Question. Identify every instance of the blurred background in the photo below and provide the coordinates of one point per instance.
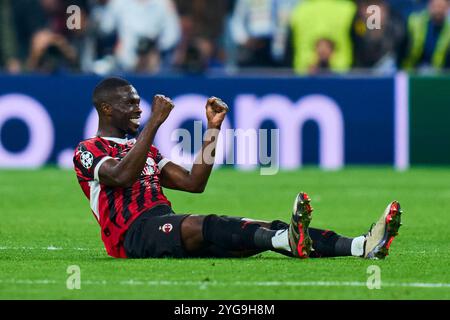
(341, 89)
(224, 36)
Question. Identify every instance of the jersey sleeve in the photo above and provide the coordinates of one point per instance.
(88, 158)
(159, 159)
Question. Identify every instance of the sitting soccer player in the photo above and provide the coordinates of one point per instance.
(123, 181)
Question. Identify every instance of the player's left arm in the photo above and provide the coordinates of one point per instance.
(176, 177)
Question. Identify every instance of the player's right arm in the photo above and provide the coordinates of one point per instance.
(125, 172)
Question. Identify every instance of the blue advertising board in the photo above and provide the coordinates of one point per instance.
(327, 121)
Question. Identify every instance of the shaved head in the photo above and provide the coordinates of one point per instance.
(117, 103)
(106, 90)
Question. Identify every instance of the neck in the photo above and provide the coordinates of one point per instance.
(108, 131)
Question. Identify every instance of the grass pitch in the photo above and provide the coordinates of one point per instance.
(46, 226)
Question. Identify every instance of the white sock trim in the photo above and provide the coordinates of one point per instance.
(281, 240)
(358, 246)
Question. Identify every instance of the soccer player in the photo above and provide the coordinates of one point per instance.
(124, 179)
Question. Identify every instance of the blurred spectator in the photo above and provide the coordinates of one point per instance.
(148, 36)
(203, 18)
(28, 18)
(51, 52)
(45, 40)
(259, 28)
(137, 22)
(324, 53)
(8, 43)
(429, 34)
(99, 47)
(82, 39)
(202, 25)
(149, 59)
(380, 49)
(196, 56)
(51, 48)
(316, 19)
(55, 15)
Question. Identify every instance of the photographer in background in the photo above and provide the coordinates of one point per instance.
(46, 43)
(149, 58)
(51, 52)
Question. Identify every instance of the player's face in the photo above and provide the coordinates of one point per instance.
(126, 113)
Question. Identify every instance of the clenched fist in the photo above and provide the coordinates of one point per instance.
(161, 108)
(216, 110)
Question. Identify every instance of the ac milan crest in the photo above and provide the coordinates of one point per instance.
(166, 228)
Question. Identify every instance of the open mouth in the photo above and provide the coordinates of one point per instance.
(136, 121)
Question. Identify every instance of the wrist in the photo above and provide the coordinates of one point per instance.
(154, 122)
(214, 126)
(151, 126)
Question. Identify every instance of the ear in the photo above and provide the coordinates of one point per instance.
(106, 109)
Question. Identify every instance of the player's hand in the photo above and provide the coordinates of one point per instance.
(161, 108)
(216, 110)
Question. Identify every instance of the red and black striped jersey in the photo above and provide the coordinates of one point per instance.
(115, 208)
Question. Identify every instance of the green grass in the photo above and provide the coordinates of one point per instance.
(45, 208)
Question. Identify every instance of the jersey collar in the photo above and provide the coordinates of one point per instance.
(118, 140)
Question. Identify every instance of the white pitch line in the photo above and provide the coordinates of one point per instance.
(49, 248)
(204, 284)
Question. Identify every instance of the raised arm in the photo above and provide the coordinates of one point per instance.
(125, 172)
(176, 177)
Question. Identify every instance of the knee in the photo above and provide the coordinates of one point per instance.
(192, 226)
(192, 233)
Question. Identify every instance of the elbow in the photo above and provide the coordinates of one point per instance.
(197, 189)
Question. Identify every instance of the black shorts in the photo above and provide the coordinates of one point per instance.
(155, 234)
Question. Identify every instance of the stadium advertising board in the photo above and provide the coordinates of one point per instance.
(430, 113)
(326, 121)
